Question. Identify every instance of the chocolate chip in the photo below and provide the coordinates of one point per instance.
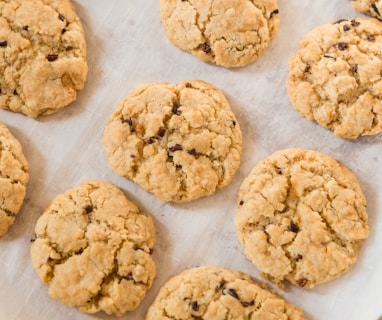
(63, 31)
(61, 17)
(151, 140)
(151, 251)
(355, 23)
(15, 92)
(128, 121)
(374, 7)
(346, 27)
(188, 85)
(248, 304)
(293, 227)
(370, 37)
(26, 28)
(274, 12)
(233, 293)
(52, 57)
(279, 170)
(175, 108)
(302, 282)
(192, 152)
(195, 306)
(241, 202)
(176, 147)
(3, 44)
(307, 68)
(354, 68)
(283, 210)
(205, 47)
(298, 257)
(342, 46)
(88, 208)
(234, 123)
(34, 238)
(161, 132)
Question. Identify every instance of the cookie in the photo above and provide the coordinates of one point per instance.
(212, 292)
(301, 217)
(229, 33)
(93, 247)
(177, 141)
(14, 177)
(42, 56)
(335, 77)
(370, 7)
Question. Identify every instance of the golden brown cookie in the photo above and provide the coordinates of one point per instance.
(301, 217)
(335, 77)
(210, 292)
(230, 33)
(14, 176)
(179, 142)
(370, 7)
(42, 56)
(93, 247)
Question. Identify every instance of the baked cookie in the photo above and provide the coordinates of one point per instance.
(42, 56)
(93, 247)
(335, 77)
(301, 217)
(14, 176)
(212, 292)
(179, 142)
(230, 33)
(370, 7)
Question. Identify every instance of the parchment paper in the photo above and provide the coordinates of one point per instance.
(127, 46)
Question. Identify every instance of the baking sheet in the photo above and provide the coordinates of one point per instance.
(127, 46)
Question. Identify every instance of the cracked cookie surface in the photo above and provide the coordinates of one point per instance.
(301, 217)
(42, 56)
(14, 176)
(335, 77)
(93, 247)
(179, 142)
(212, 292)
(370, 7)
(230, 33)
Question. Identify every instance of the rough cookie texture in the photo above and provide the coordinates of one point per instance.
(93, 247)
(230, 33)
(179, 142)
(370, 7)
(42, 56)
(301, 217)
(212, 292)
(335, 77)
(14, 176)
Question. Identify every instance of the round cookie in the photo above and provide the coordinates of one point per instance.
(14, 176)
(301, 217)
(230, 33)
(370, 7)
(179, 142)
(93, 247)
(335, 77)
(212, 292)
(42, 56)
